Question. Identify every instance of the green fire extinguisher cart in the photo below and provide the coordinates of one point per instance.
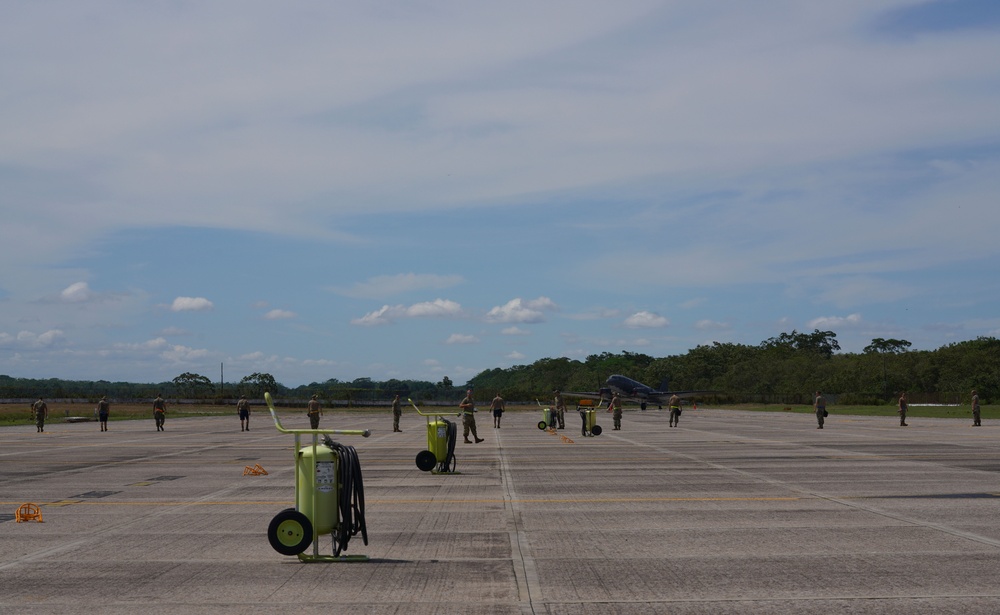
(329, 495)
(439, 457)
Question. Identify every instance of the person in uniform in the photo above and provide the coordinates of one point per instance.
(159, 412)
(902, 409)
(497, 406)
(469, 418)
(314, 411)
(41, 411)
(560, 408)
(243, 409)
(103, 409)
(675, 410)
(397, 411)
(975, 409)
(615, 406)
(819, 406)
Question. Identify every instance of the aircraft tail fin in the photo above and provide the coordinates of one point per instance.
(665, 384)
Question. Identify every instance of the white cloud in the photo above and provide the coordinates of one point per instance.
(30, 339)
(646, 320)
(76, 293)
(515, 356)
(191, 304)
(826, 322)
(184, 354)
(388, 285)
(458, 338)
(279, 315)
(519, 310)
(153, 344)
(515, 330)
(439, 308)
(711, 325)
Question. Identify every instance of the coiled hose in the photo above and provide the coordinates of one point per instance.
(448, 465)
(351, 503)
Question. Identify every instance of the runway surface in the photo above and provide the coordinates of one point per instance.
(732, 512)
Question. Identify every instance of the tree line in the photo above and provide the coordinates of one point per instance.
(787, 368)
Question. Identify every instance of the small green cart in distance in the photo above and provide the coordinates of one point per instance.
(439, 458)
(548, 418)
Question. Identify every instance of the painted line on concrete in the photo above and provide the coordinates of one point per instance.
(529, 586)
(848, 502)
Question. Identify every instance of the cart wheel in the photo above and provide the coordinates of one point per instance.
(542, 425)
(596, 430)
(426, 461)
(290, 532)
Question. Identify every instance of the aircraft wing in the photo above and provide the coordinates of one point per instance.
(605, 395)
(662, 398)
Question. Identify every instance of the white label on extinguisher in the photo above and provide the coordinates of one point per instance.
(324, 476)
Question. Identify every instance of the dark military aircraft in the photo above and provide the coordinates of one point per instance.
(636, 391)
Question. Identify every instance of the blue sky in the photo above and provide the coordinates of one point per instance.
(425, 189)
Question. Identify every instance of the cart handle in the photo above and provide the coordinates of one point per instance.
(432, 413)
(539, 403)
(340, 432)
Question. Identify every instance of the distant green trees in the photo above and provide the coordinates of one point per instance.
(787, 368)
(258, 383)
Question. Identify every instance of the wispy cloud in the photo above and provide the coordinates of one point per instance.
(521, 311)
(32, 340)
(279, 314)
(646, 320)
(439, 308)
(711, 325)
(191, 304)
(458, 338)
(832, 322)
(76, 292)
(383, 286)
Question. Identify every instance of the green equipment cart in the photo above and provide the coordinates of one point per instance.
(329, 495)
(439, 458)
(548, 417)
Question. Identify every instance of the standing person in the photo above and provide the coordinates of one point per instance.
(560, 407)
(314, 410)
(902, 409)
(975, 409)
(41, 411)
(675, 410)
(159, 412)
(243, 409)
(497, 406)
(103, 408)
(469, 418)
(819, 406)
(615, 406)
(397, 411)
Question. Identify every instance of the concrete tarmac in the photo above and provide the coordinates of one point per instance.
(732, 512)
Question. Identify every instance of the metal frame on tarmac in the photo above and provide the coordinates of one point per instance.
(316, 493)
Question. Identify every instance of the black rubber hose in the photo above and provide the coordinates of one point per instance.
(448, 465)
(351, 502)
